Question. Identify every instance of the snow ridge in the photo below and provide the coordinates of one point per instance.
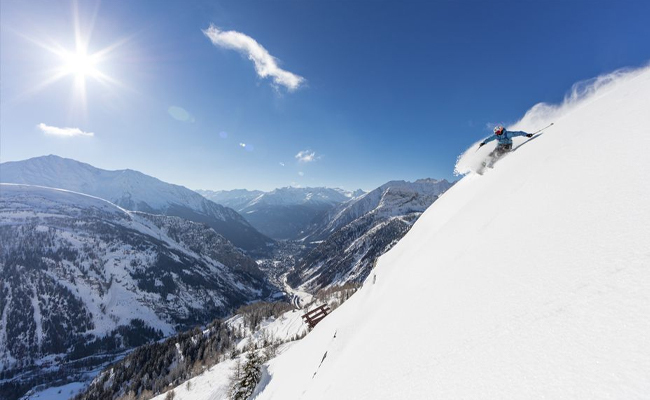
(134, 191)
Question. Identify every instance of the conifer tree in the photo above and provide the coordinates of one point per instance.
(251, 373)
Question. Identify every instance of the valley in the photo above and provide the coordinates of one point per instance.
(97, 279)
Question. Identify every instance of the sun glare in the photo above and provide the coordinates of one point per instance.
(80, 64)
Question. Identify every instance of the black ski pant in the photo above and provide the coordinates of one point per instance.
(499, 151)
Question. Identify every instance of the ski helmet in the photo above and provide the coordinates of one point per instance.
(498, 130)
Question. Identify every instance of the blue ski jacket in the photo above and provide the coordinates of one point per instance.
(506, 137)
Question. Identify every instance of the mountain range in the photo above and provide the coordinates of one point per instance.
(135, 191)
(83, 277)
(353, 235)
(86, 278)
(284, 213)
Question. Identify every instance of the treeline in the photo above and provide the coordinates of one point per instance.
(257, 312)
(154, 368)
(123, 337)
(149, 370)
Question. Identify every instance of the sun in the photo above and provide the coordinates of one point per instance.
(80, 64)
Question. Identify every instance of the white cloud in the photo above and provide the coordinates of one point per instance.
(67, 132)
(306, 156)
(242, 145)
(301, 173)
(282, 164)
(265, 64)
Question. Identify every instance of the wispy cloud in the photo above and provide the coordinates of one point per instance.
(66, 132)
(282, 164)
(242, 145)
(265, 64)
(306, 156)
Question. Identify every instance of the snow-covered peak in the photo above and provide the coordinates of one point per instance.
(245, 200)
(293, 196)
(134, 191)
(236, 199)
(530, 281)
(283, 213)
(390, 198)
(131, 189)
(355, 194)
(423, 186)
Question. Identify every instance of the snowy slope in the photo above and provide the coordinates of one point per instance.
(134, 191)
(127, 188)
(531, 281)
(213, 384)
(75, 268)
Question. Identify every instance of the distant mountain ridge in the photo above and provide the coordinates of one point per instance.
(283, 213)
(352, 236)
(376, 202)
(134, 191)
(242, 199)
(236, 199)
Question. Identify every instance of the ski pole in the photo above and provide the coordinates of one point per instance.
(551, 124)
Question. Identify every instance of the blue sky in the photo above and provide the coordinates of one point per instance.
(362, 92)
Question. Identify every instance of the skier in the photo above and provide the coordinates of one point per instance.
(505, 142)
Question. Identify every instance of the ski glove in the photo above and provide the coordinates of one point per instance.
(529, 135)
(482, 144)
